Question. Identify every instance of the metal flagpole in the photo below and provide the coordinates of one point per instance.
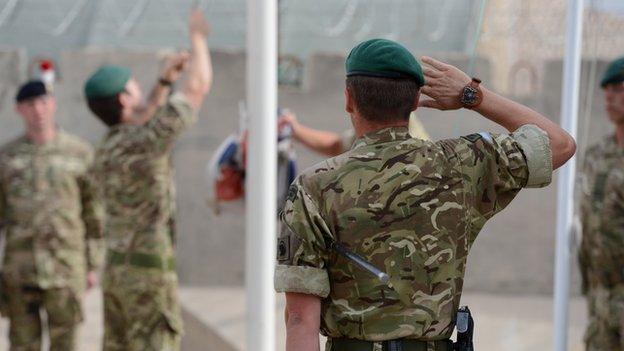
(261, 178)
(565, 186)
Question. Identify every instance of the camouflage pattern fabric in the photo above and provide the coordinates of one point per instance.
(606, 319)
(141, 310)
(135, 174)
(53, 223)
(63, 310)
(601, 255)
(412, 208)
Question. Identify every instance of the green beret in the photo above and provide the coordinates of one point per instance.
(614, 74)
(107, 81)
(383, 58)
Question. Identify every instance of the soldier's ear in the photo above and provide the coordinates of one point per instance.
(349, 103)
(416, 99)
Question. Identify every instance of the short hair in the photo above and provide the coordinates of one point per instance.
(380, 99)
(107, 109)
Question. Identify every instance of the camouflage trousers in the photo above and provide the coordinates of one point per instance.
(141, 310)
(25, 306)
(606, 319)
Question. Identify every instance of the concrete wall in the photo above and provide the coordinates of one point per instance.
(515, 251)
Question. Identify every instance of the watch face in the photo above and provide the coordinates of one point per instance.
(469, 96)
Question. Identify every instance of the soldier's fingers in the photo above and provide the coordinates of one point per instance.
(435, 63)
(429, 104)
(431, 82)
(426, 89)
(432, 73)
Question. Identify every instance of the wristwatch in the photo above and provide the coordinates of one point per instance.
(472, 95)
(165, 82)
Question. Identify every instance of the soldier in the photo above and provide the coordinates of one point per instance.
(133, 166)
(411, 208)
(52, 224)
(333, 144)
(601, 253)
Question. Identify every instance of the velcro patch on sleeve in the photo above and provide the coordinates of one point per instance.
(473, 138)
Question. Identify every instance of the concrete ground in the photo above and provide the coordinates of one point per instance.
(214, 320)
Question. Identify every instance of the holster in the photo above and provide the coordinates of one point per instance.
(465, 330)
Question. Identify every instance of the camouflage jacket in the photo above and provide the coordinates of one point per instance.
(412, 208)
(135, 177)
(601, 253)
(52, 222)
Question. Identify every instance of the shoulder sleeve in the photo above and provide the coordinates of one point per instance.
(171, 119)
(535, 146)
(302, 248)
(584, 201)
(497, 166)
(92, 215)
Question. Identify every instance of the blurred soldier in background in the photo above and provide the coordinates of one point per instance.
(333, 144)
(135, 178)
(601, 255)
(52, 224)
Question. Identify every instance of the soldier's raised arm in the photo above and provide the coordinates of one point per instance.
(445, 82)
(199, 78)
(169, 118)
(198, 64)
(321, 141)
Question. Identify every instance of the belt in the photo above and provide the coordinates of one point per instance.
(345, 344)
(142, 260)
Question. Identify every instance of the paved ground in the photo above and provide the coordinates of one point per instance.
(215, 321)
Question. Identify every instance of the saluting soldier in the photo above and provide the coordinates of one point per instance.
(52, 223)
(601, 254)
(135, 177)
(411, 208)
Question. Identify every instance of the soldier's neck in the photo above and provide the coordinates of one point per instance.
(40, 137)
(363, 126)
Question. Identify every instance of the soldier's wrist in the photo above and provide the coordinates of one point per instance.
(485, 100)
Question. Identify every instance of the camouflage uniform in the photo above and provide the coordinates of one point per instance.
(601, 254)
(413, 208)
(133, 165)
(53, 232)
